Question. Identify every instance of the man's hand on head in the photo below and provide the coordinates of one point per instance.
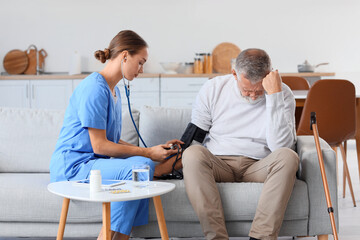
(272, 82)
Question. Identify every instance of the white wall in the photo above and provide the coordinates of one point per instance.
(290, 31)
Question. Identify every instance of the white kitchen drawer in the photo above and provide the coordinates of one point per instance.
(178, 99)
(139, 99)
(141, 84)
(136, 85)
(75, 83)
(15, 93)
(50, 94)
(182, 84)
(46, 94)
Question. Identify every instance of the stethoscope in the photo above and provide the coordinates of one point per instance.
(127, 93)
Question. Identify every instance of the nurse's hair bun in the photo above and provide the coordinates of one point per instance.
(102, 56)
(125, 40)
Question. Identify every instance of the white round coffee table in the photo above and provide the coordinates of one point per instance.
(72, 190)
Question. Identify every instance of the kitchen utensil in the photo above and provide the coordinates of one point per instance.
(31, 53)
(15, 62)
(170, 67)
(186, 68)
(307, 67)
(222, 55)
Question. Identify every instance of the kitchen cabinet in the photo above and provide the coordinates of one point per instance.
(165, 92)
(180, 92)
(75, 83)
(14, 93)
(54, 91)
(49, 94)
(143, 91)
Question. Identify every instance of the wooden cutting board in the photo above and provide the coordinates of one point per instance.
(31, 69)
(15, 62)
(222, 55)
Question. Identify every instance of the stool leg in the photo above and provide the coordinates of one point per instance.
(337, 163)
(106, 221)
(160, 218)
(344, 171)
(358, 152)
(347, 173)
(63, 216)
(357, 133)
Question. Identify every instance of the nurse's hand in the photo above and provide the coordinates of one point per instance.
(159, 153)
(174, 142)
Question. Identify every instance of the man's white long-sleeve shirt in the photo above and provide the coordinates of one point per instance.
(237, 127)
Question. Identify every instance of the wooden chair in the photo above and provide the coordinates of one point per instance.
(296, 83)
(333, 100)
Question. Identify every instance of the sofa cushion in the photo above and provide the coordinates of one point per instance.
(28, 191)
(28, 137)
(158, 124)
(128, 132)
(239, 202)
(28, 200)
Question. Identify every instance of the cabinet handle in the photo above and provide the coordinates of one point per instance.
(195, 84)
(33, 92)
(27, 91)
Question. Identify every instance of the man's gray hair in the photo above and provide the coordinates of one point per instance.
(254, 64)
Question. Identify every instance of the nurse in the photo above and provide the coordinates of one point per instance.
(90, 136)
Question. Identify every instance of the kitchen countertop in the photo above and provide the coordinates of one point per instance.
(307, 74)
(49, 76)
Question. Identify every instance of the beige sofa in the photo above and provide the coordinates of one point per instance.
(27, 209)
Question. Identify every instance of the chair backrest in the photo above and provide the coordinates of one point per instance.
(296, 83)
(333, 100)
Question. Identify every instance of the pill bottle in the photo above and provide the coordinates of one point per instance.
(95, 181)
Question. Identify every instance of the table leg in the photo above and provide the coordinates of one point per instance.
(64, 212)
(106, 221)
(160, 218)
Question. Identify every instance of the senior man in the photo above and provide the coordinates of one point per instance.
(249, 117)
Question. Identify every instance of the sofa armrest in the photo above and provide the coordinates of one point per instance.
(309, 171)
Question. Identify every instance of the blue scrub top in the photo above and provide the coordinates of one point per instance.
(91, 105)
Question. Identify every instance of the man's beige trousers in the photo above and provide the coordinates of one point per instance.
(202, 170)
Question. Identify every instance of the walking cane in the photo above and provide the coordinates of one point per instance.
(313, 126)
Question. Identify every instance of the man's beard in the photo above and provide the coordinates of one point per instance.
(249, 100)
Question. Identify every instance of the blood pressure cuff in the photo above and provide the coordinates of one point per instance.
(192, 132)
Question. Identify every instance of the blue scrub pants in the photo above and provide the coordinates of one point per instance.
(125, 215)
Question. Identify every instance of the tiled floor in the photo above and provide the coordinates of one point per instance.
(349, 216)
